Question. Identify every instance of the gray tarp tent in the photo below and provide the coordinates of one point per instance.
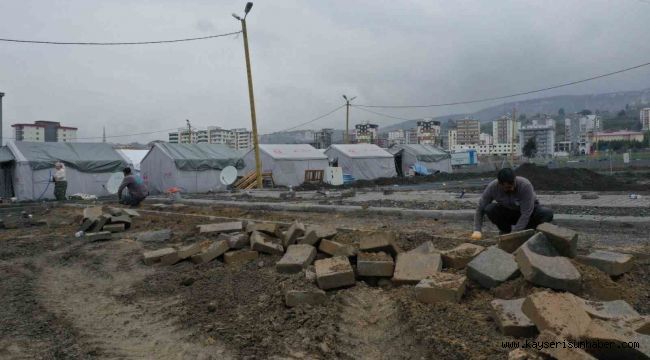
(431, 157)
(287, 162)
(88, 167)
(363, 161)
(192, 167)
(6, 173)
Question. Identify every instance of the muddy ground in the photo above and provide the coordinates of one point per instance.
(62, 297)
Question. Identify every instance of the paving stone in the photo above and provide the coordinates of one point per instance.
(184, 252)
(97, 236)
(565, 241)
(555, 272)
(427, 247)
(267, 228)
(334, 248)
(305, 297)
(131, 212)
(609, 310)
(323, 232)
(611, 263)
(153, 257)
(115, 211)
(441, 287)
(374, 241)
(93, 212)
(239, 257)
(264, 243)
(460, 256)
(412, 267)
(511, 242)
(560, 352)
(154, 236)
(122, 219)
(295, 231)
(114, 228)
(101, 221)
(335, 272)
(492, 267)
(511, 319)
(375, 264)
(617, 335)
(310, 238)
(86, 224)
(211, 252)
(560, 313)
(236, 241)
(220, 227)
(297, 258)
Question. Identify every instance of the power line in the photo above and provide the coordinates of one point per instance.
(508, 96)
(315, 119)
(382, 114)
(119, 43)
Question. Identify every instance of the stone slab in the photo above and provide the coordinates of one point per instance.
(114, 228)
(609, 310)
(564, 240)
(511, 319)
(458, 257)
(323, 232)
(609, 262)
(154, 256)
(154, 236)
(220, 227)
(297, 258)
(375, 264)
(375, 241)
(560, 313)
(305, 297)
(511, 242)
(427, 247)
(131, 212)
(268, 228)
(492, 267)
(335, 272)
(296, 230)
(239, 257)
(101, 221)
(264, 243)
(98, 236)
(334, 248)
(236, 241)
(122, 219)
(412, 267)
(441, 287)
(211, 252)
(560, 352)
(87, 224)
(93, 212)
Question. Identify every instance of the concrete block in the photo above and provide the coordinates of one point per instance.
(374, 241)
(323, 232)
(236, 241)
(305, 297)
(155, 236)
(426, 247)
(511, 242)
(297, 258)
(511, 319)
(101, 221)
(492, 267)
(310, 238)
(565, 241)
(460, 256)
(560, 352)
(211, 252)
(267, 228)
(555, 272)
(609, 310)
(335, 272)
(239, 257)
(184, 252)
(114, 228)
(264, 243)
(334, 248)
(87, 224)
(619, 337)
(97, 236)
(375, 264)
(412, 267)
(220, 227)
(130, 212)
(560, 313)
(441, 287)
(295, 231)
(611, 263)
(153, 257)
(122, 219)
(93, 212)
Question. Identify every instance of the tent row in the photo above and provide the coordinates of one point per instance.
(26, 168)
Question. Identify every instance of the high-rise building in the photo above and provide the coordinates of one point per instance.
(452, 139)
(645, 119)
(366, 133)
(544, 135)
(468, 132)
(44, 131)
(323, 138)
(396, 137)
(239, 139)
(486, 139)
(411, 136)
(578, 130)
(502, 130)
(428, 132)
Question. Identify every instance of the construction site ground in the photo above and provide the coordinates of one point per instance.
(65, 297)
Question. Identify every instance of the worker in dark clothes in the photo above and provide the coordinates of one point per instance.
(60, 181)
(515, 205)
(137, 190)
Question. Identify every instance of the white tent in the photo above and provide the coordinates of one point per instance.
(363, 161)
(192, 167)
(287, 162)
(133, 157)
(88, 168)
(429, 156)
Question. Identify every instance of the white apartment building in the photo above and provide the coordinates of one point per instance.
(486, 139)
(502, 130)
(489, 150)
(452, 139)
(239, 139)
(645, 119)
(396, 137)
(578, 130)
(428, 132)
(544, 135)
(44, 131)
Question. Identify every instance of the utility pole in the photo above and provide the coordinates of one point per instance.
(512, 138)
(258, 162)
(347, 118)
(189, 131)
(104, 135)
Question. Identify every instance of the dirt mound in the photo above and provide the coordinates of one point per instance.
(569, 179)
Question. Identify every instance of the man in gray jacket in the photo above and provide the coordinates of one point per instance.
(515, 205)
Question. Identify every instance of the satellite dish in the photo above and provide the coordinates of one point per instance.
(114, 182)
(228, 175)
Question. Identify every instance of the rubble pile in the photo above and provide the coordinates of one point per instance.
(99, 225)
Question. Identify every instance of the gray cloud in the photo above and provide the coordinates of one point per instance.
(304, 55)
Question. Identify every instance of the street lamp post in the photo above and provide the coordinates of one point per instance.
(347, 118)
(258, 162)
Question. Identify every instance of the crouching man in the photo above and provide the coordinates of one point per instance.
(511, 204)
(137, 190)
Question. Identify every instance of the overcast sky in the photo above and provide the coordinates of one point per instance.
(305, 54)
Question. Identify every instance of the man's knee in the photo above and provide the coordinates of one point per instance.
(491, 211)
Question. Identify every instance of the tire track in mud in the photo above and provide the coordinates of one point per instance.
(87, 294)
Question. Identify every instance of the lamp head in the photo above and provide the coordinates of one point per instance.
(248, 8)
